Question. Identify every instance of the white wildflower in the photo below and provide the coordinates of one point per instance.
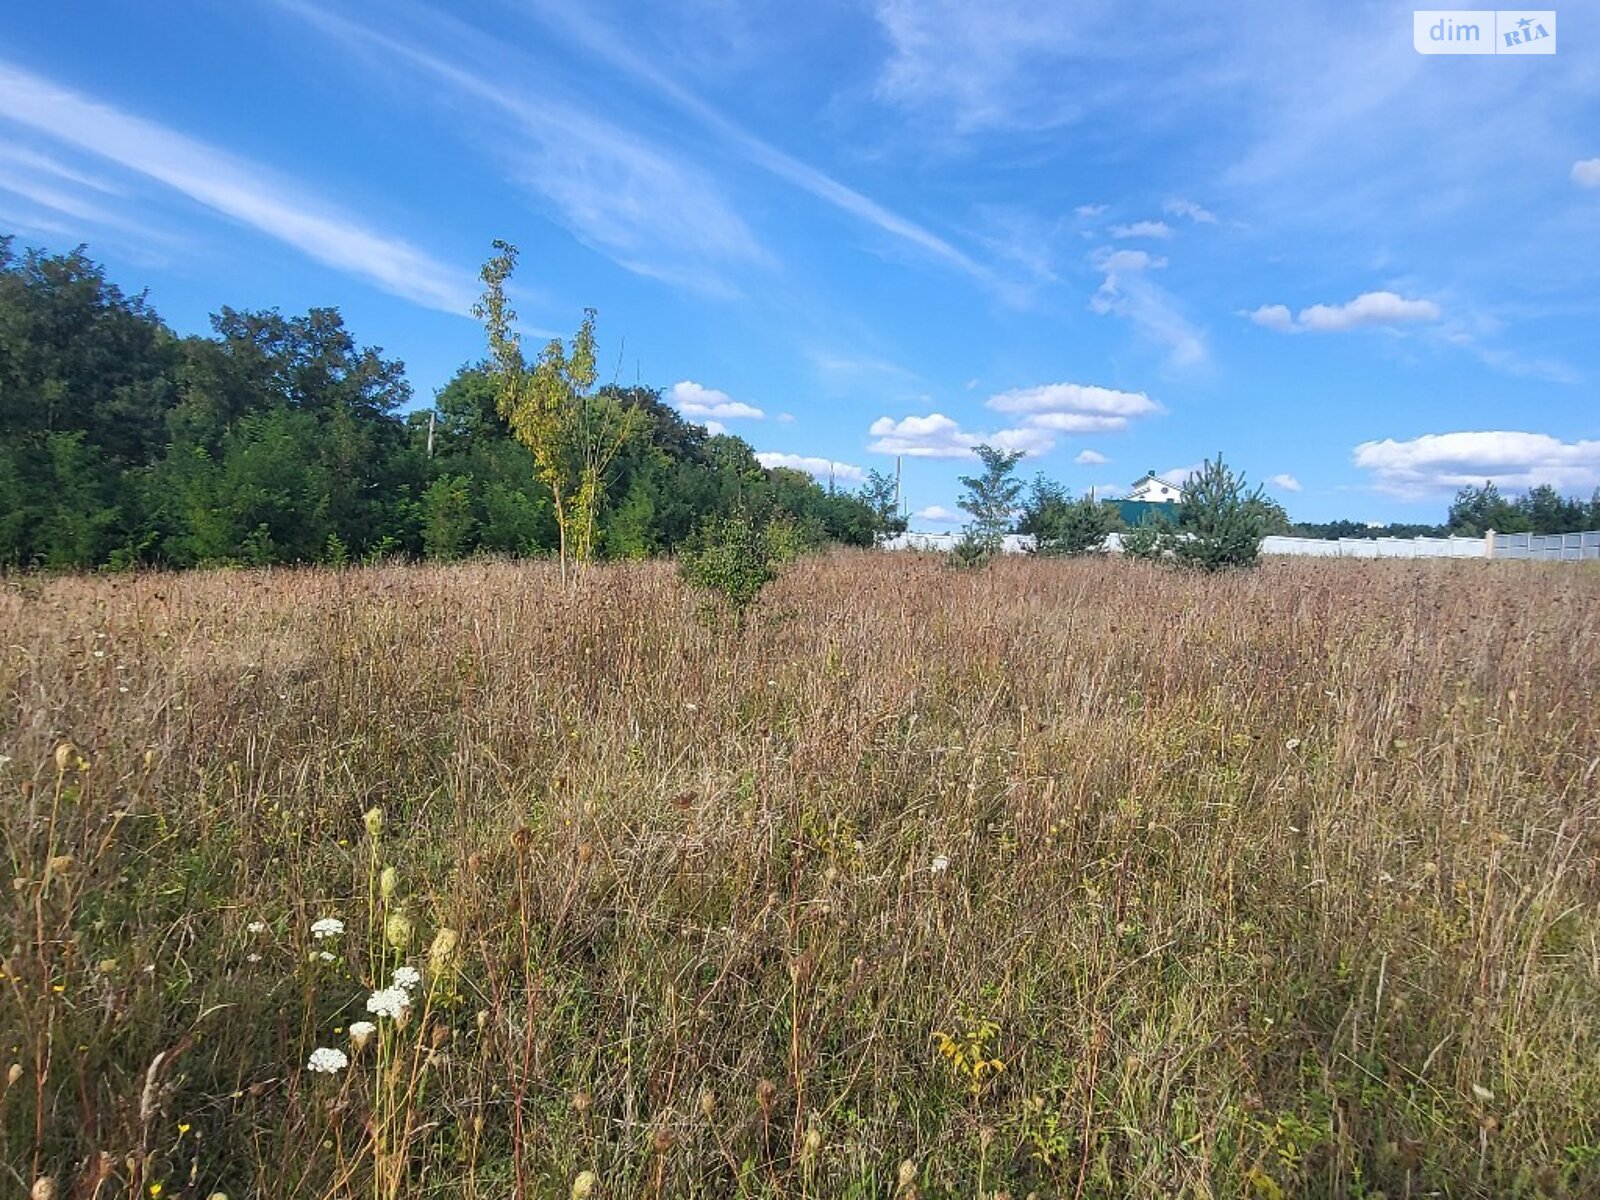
(389, 1002)
(407, 978)
(940, 865)
(257, 927)
(327, 927)
(328, 1061)
(1482, 1093)
(1292, 744)
(325, 955)
(252, 958)
(361, 1033)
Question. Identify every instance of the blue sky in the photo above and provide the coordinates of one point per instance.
(1117, 237)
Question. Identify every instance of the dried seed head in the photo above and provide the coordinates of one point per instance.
(582, 1101)
(61, 864)
(440, 1035)
(397, 931)
(373, 820)
(813, 1140)
(907, 1172)
(708, 1102)
(483, 1019)
(522, 839)
(65, 753)
(442, 949)
(44, 1188)
(583, 1186)
(14, 1074)
(662, 1140)
(585, 853)
(766, 1093)
(388, 881)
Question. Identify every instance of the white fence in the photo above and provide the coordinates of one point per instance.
(1547, 545)
(1492, 545)
(1388, 547)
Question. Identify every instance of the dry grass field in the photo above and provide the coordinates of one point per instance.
(1079, 879)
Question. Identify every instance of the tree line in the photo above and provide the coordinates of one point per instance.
(281, 439)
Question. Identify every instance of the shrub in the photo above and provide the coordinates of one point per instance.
(1144, 541)
(733, 558)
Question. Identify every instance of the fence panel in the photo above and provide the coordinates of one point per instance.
(1564, 546)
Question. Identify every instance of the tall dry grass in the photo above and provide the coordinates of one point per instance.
(1078, 879)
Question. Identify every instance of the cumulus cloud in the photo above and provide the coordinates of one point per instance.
(1090, 458)
(715, 428)
(1089, 210)
(938, 436)
(1142, 229)
(1366, 310)
(694, 400)
(822, 468)
(1188, 208)
(1586, 172)
(1074, 398)
(1287, 482)
(1438, 462)
(1274, 316)
(937, 514)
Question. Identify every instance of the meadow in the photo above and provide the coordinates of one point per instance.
(1070, 879)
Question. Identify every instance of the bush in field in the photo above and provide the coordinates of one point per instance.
(734, 557)
(1073, 527)
(1145, 542)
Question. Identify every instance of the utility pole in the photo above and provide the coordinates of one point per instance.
(897, 500)
(431, 415)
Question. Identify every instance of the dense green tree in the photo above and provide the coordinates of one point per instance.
(1060, 525)
(881, 496)
(1220, 524)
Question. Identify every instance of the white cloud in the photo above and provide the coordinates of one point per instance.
(1126, 292)
(1188, 208)
(1114, 262)
(1586, 172)
(1088, 211)
(1287, 482)
(1142, 229)
(234, 187)
(937, 436)
(1438, 462)
(1178, 476)
(1366, 310)
(937, 514)
(822, 468)
(1090, 458)
(694, 400)
(715, 428)
(1274, 316)
(785, 418)
(1075, 398)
